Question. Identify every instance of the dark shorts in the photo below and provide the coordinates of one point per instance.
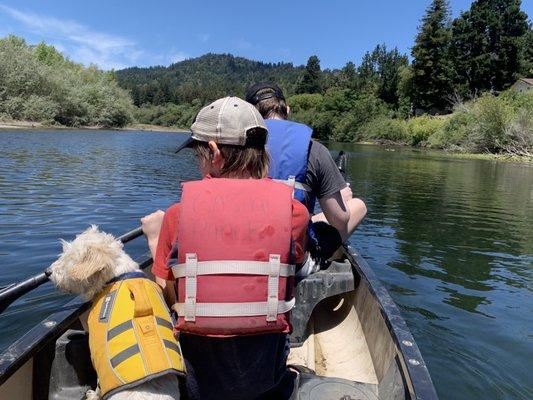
(237, 368)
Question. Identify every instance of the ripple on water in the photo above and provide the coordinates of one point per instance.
(451, 239)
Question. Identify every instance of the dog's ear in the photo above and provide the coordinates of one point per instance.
(96, 259)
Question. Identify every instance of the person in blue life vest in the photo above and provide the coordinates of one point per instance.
(226, 257)
(294, 154)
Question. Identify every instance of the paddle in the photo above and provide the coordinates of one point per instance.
(340, 160)
(12, 292)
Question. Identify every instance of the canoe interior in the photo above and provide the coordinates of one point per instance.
(353, 344)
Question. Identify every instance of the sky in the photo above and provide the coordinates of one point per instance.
(117, 34)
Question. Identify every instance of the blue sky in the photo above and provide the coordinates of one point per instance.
(117, 34)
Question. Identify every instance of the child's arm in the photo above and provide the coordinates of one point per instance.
(161, 248)
(151, 225)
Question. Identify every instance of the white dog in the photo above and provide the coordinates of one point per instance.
(85, 267)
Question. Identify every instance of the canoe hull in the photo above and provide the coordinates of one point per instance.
(352, 341)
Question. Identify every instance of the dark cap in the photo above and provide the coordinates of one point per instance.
(253, 98)
(186, 144)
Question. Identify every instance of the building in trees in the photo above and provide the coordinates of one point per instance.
(523, 84)
(489, 46)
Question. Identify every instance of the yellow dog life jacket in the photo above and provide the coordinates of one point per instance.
(130, 335)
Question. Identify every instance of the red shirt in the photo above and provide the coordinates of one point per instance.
(169, 232)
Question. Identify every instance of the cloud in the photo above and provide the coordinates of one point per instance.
(203, 37)
(81, 43)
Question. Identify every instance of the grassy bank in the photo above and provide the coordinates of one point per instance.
(499, 126)
(10, 125)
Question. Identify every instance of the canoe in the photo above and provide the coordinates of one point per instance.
(349, 342)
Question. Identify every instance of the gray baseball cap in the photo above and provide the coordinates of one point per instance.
(225, 121)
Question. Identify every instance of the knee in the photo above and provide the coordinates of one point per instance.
(357, 207)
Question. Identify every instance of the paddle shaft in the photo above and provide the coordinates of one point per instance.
(12, 292)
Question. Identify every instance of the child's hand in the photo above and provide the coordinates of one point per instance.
(151, 225)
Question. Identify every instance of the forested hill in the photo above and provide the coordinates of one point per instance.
(204, 78)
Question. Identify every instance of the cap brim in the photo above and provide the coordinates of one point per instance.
(186, 144)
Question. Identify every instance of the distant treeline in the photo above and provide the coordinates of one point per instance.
(458, 66)
(37, 83)
(454, 64)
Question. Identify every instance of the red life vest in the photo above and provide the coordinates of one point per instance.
(234, 272)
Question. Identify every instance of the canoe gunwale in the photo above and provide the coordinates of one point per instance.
(39, 336)
(48, 330)
(421, 386)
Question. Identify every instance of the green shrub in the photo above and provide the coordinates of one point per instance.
(181, 115)
(346, 129)
(13, 107)
(519, 134)
(420, 129)
(39, 84)
(454, 132)
(306, 101)
(38, 108)
(491, 117)
(385, 129)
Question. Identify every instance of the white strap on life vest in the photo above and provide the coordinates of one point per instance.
(232, 267)
(291, 181)
(273, 286)
(271, 308)
(191, 269)
(234, 309)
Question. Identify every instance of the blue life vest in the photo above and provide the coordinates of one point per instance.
(288, 145)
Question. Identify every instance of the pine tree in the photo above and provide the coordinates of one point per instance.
(380, 69)
(312, 78)
(526, 58)
(432, 67)
(348, 75)
(488, 46)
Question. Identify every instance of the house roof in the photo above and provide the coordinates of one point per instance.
(529, 81)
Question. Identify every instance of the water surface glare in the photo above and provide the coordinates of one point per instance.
(451, 239)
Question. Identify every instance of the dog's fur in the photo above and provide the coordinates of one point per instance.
(84, 267)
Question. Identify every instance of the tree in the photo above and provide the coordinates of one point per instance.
(381, 69)
(405, 88)
(349, 73)
(48, 55)
(312, 78)
(432, 67)
(526, 57)
(489, 46)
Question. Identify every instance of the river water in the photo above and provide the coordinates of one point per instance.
(451, 239)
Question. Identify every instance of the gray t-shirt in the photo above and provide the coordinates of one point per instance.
(323, 175)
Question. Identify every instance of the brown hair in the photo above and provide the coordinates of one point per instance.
(272, 106)
(252, 158)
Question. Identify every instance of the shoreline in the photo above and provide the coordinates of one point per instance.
(391, 146)
(29, 125)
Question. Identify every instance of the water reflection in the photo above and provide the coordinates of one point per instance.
(450, 238)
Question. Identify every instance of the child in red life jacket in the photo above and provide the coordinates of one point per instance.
(229, 249)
